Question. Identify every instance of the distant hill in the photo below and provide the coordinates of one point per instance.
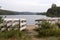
(7, 12)
(42, 13)
(26, 13)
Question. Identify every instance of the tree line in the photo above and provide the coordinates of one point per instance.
(54, 11)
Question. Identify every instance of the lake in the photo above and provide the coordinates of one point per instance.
(30, 18)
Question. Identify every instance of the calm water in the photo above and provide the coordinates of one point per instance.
(30, 18)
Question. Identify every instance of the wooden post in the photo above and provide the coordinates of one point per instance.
(6, 26)
(19, 24)
(58, 19)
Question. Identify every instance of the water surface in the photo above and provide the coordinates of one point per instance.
(30, 18)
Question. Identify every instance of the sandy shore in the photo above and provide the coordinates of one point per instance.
(30, 27)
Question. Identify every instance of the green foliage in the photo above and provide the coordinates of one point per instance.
(10, 34)
(14, 34)
(19, 33)
(48, 29)
(54, 11)
(45, 25)
(58, 24)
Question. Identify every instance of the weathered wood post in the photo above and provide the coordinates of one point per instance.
(19, 25)
(6, 26)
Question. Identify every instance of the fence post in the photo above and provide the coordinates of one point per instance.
(6, 26)
(19, 24)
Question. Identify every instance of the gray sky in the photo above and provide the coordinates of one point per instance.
(28, 5)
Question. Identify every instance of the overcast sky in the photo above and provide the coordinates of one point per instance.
(28, 5)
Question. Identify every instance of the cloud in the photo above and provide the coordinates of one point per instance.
(27, 5)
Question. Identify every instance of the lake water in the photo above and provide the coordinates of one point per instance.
(30, 18)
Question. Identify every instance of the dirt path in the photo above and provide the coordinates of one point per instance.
(31, 31)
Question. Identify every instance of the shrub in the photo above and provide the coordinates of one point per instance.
(57, 32)
(48, 29)
(45, 25)
(18, 33)
(10, 34)
(58, 24)
(7, 34)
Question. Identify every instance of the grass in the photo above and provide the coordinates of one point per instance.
(9, 34)
(14, 35)
(47, 29)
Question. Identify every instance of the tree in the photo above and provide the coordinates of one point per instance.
(54, 11)
(53, 6)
